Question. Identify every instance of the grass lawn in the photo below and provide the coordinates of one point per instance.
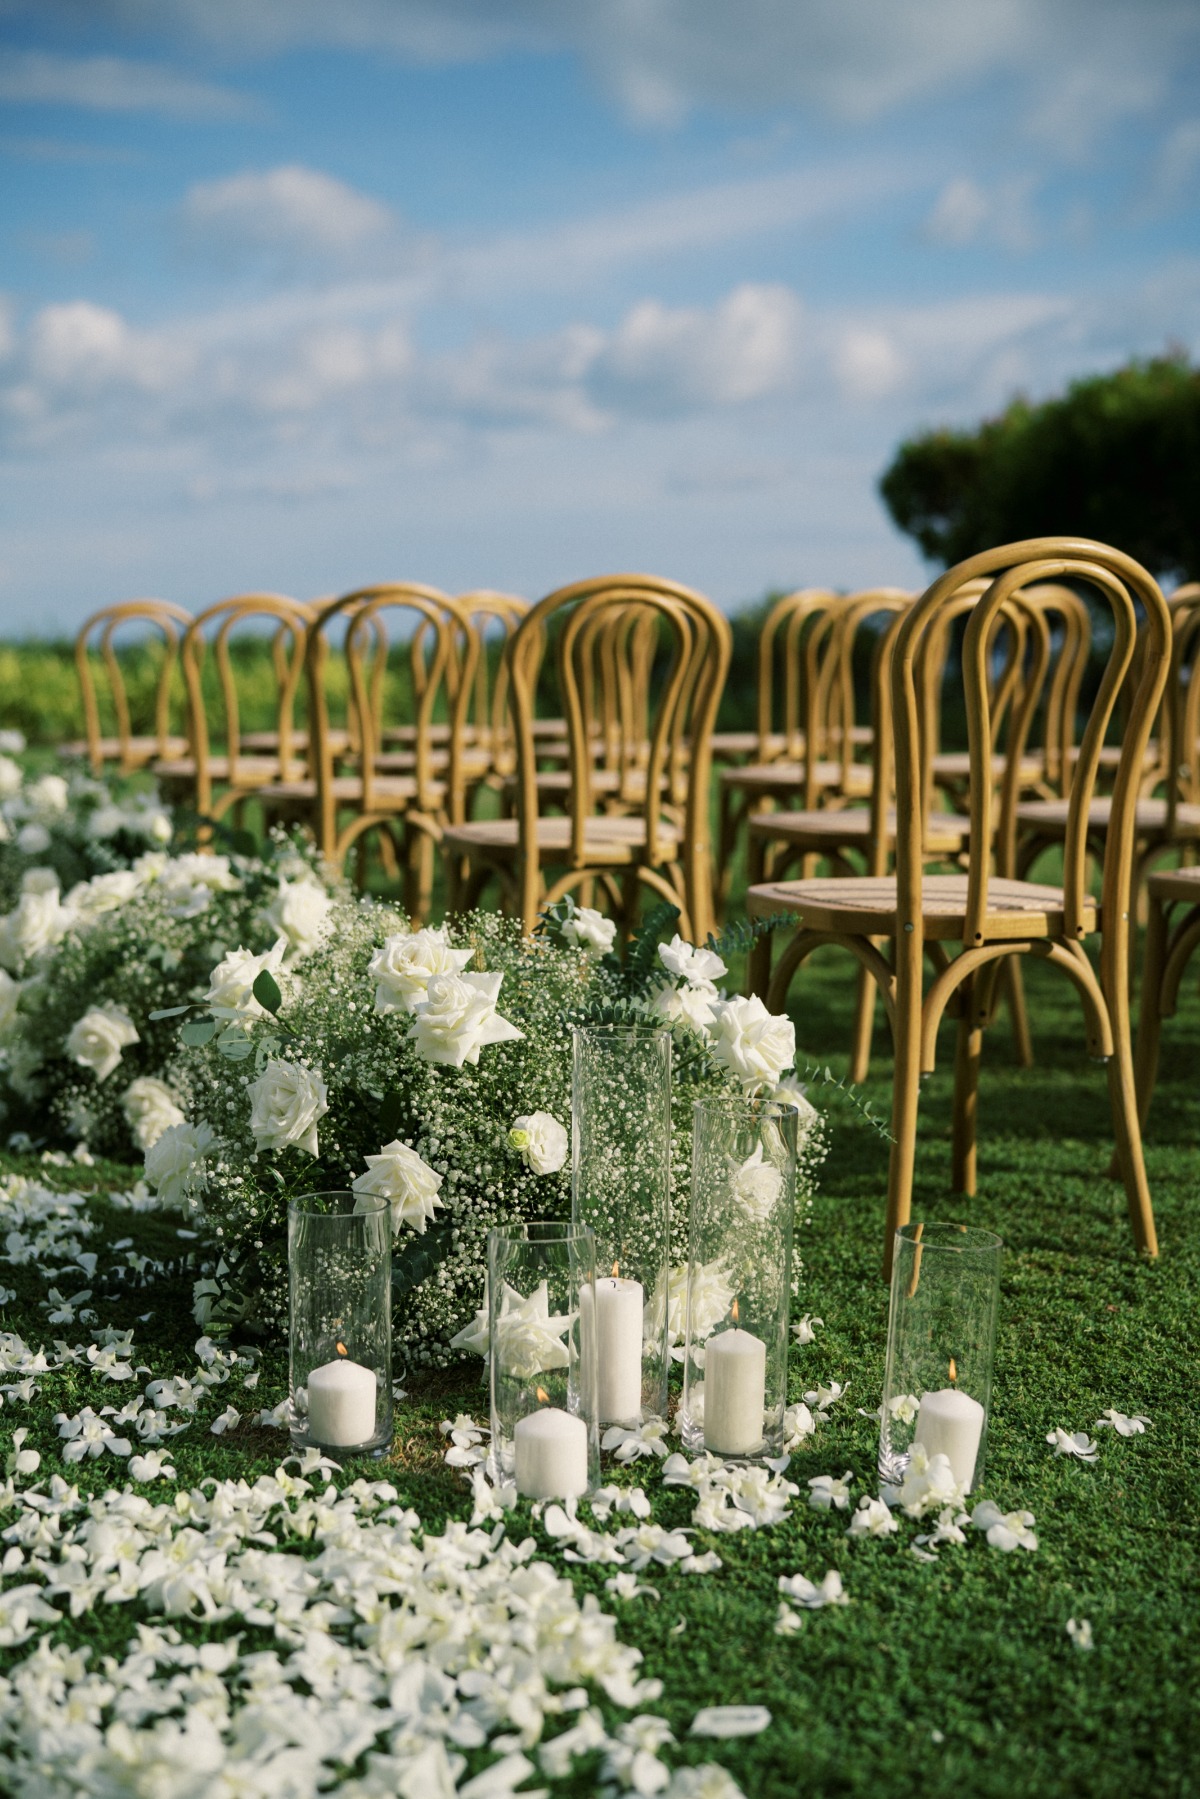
(952, 1679)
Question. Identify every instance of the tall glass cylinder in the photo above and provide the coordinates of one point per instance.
(621, 1188)
(340, 1293)
(739, 1277)
(541, 1296)
(941, 1342)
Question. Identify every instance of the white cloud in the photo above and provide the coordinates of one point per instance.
(289, 212)
(1078, 61)
(663, 360)
(1178, 165)
(964, 213)
(115, 84)
(868, 364)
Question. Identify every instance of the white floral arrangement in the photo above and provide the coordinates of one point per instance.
(430, 1067)
(73, 824)
(84, 971)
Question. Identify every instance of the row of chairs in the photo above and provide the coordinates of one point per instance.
(396, 707)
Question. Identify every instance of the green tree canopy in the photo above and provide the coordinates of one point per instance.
(1117, 457)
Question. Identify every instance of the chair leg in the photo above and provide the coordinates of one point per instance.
(1013, 976)
(1123, 1095)
(906, 1084)
(967, 1058)
(758, 968)
(864, 1024)
(1150, 1015)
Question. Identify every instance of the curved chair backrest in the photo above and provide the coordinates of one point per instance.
(442, 649)
(1119, 582)
(1181, 708)
(1070, 627)
(218, 626)
(158, 618)
(780, 669)
(494, 617)
(890, 603)
(606, 633)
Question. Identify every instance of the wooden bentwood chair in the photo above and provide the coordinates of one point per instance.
(636, 796)
(994, 917)
(150, 618)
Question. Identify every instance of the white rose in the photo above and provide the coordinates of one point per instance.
(152, 866)
(49, 795)
(10, 777)
(96, 1040)
(12, 742)
(105, 821)
(10, 1000)
(712, 1297)
(542, 1141)
(88, 900)
(692, 1005)
(689, 963)
(755, 1185)
(33, 840)
(230, 986)
(40, 880)
(458, 1017)
(187, 883)
(398, 1175)
(590, 930)
(37, 922)
(403, 966)
(751, 1042)
(150, 1108)
(285, 1103)
(300, 912)
(175, 1165)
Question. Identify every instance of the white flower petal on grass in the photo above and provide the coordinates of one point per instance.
(647, 1439)
(228, 1419)
(1004, 1530)
(457, 1017)
(730, 1721)
(928, 1484)
(589, 930)
(1131, 1425)
(806, 1330)
(752, 1043)
(409, 1184)
(97, 1039)
(826, 1491)
(872, 1519)
(1080, 1632)
(542, 1141)
(1076, 1443)
(814, 1595)
(286, 1102)
(21, 1460)
(405, 963)
(798, 1425)
(151, 1466)
(695, 966)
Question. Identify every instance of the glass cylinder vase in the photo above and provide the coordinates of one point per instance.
(541, 1297)
(739, 1283)
(621, 1188)
(941, 1342)
(340, 1302)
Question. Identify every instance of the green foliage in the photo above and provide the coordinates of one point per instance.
(1117, 457)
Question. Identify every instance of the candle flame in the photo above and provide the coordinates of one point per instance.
(543, 1397)
(616, 1270)
(734, 1312)
(953, 1369)
(342, 1350)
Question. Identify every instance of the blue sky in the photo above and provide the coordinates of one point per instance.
(508, 292)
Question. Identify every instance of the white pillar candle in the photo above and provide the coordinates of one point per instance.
(735, 1392)
(950, 1423)
(611, 1329)
(341, 1403)
(551, 1455)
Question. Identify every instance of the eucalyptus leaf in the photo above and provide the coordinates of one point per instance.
(169, 1012)
(233, 1044)
(198, 1031)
